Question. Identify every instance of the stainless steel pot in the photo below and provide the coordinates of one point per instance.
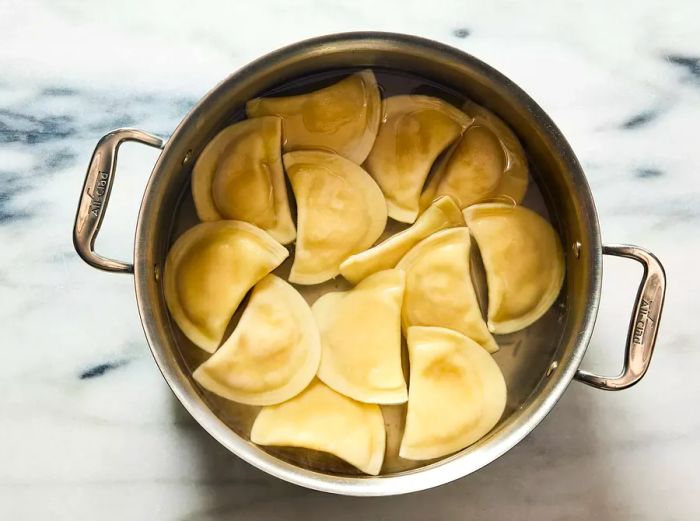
(537, 375)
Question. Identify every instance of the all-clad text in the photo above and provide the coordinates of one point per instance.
(98, 193)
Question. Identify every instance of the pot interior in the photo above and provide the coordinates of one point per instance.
(537, 362)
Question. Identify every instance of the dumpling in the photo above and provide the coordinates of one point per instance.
(456, 396)
(519, 292)
(413, 133)
(321, 419)
(443, 213)
(340, 211)
(239, 176)
(361, 338)
(209, 270)
(487, 164)
(342, 118)
(439, 290)
(273, 353)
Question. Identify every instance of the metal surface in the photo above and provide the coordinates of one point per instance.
(641, 337)
(538, 363)
(94, 196)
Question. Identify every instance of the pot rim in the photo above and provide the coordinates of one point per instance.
(452, 467)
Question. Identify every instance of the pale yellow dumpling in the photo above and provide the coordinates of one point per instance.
(340, 211)
(321, 419)
(457, 393)
(209, 270)
(524, 263)
(239, 176)
(443, 213)
(414, 131)
(439, 290)
(273, 353)
(488, 163)
(342, 118)
(361, 338)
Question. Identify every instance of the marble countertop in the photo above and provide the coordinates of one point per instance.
(88, 427)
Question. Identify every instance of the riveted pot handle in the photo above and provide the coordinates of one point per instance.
(644, 324)
(95, 196)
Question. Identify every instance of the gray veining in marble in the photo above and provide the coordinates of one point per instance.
(89, 429)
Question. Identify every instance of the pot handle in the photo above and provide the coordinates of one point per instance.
(95, 196)
(644, 323)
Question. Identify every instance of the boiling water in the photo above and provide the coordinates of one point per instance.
(522, 372)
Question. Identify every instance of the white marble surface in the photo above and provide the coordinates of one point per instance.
(621, 79)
